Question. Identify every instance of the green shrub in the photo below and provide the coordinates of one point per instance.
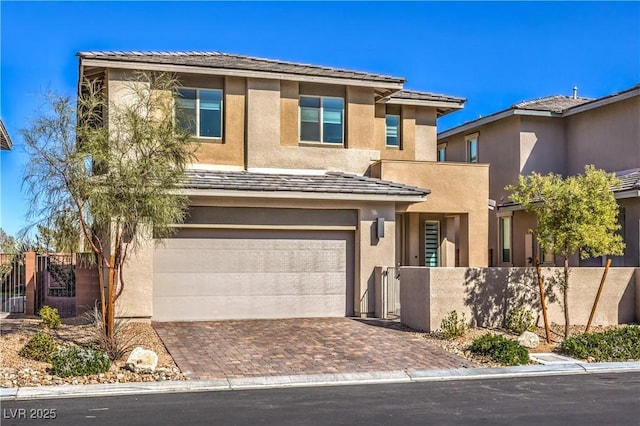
(520, 320)
(452, 326)
(50, 317)
(79, 361)
(500, 349)
(39, 348)
(621, 344)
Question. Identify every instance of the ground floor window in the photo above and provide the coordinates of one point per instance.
(505, 239)
(431, 243)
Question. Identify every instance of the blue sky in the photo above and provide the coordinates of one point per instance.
(494, 54)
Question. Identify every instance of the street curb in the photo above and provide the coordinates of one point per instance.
(309, 380)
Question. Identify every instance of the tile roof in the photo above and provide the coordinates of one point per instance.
(630, 180)
(557, 103)
(237, 62)
(425, 96)
(328, 183)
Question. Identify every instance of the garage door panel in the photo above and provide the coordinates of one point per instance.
(177, 285)
(227, 307)
(236, 274)
(253, 256)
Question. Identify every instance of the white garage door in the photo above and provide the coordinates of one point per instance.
(247, 274)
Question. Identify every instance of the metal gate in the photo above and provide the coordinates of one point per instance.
(12, 270)
(391, 293)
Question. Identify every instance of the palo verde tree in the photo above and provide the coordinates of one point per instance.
(115, 180)
(576, 214)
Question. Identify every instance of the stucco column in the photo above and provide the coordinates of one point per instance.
(450, 241)
(30, 282)
(374, 251)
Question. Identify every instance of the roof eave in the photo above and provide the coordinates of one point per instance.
(602, 102)
(5, 139)
(303, 195)
(471, 125)
(427, 103)
(633, 193)
(390, 86)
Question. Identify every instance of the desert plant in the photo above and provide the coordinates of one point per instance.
(116, 345)
(577, 214)
(520, 320)
(453, 326)
(79, 361)
(500, 349)
(622, 344)
(40, 347)
(50, 317)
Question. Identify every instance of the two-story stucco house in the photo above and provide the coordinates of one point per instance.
(306, 178)
(559, 134)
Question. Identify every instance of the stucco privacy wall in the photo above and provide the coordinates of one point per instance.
(485, 295)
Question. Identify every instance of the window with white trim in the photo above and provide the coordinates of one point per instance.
(392, 130)
(322, 119)
(199, 111)
(472, 148)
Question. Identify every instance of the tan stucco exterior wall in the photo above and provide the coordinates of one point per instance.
(607, 137)
(360, 115)
(426, 134)
(542, 147)
(631, 208)
(459, 189)
(486, 295)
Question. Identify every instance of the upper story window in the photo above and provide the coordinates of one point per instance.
(472, 148)
(199, 111)
(321, 119)
(442, 152)
(393, 130)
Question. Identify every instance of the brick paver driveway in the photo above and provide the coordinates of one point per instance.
(230, 349)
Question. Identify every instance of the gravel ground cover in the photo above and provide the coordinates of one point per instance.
(17, 371)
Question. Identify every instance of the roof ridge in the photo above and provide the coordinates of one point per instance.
(544, 98)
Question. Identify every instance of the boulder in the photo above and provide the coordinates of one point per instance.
(529, 339)
(142, 361)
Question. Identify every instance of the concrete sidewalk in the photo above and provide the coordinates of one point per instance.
(338, 379)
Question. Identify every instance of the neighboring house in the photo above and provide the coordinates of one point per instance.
(5, 140)
(306, 179)
(558, 134)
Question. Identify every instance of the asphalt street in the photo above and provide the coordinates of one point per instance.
(587, 399)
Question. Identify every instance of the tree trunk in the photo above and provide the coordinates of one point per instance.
(565, 297)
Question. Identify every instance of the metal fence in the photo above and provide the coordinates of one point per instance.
(13, 288)
(56, 274)
(391, 293)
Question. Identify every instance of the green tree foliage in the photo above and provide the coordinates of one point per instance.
(574, 214)
(111, 182)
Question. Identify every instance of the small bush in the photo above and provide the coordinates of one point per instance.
(50, 317)
(621, 344)
(520, 320)
(39, 348)
(500, 349)
(452, 326)
(79, 361)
